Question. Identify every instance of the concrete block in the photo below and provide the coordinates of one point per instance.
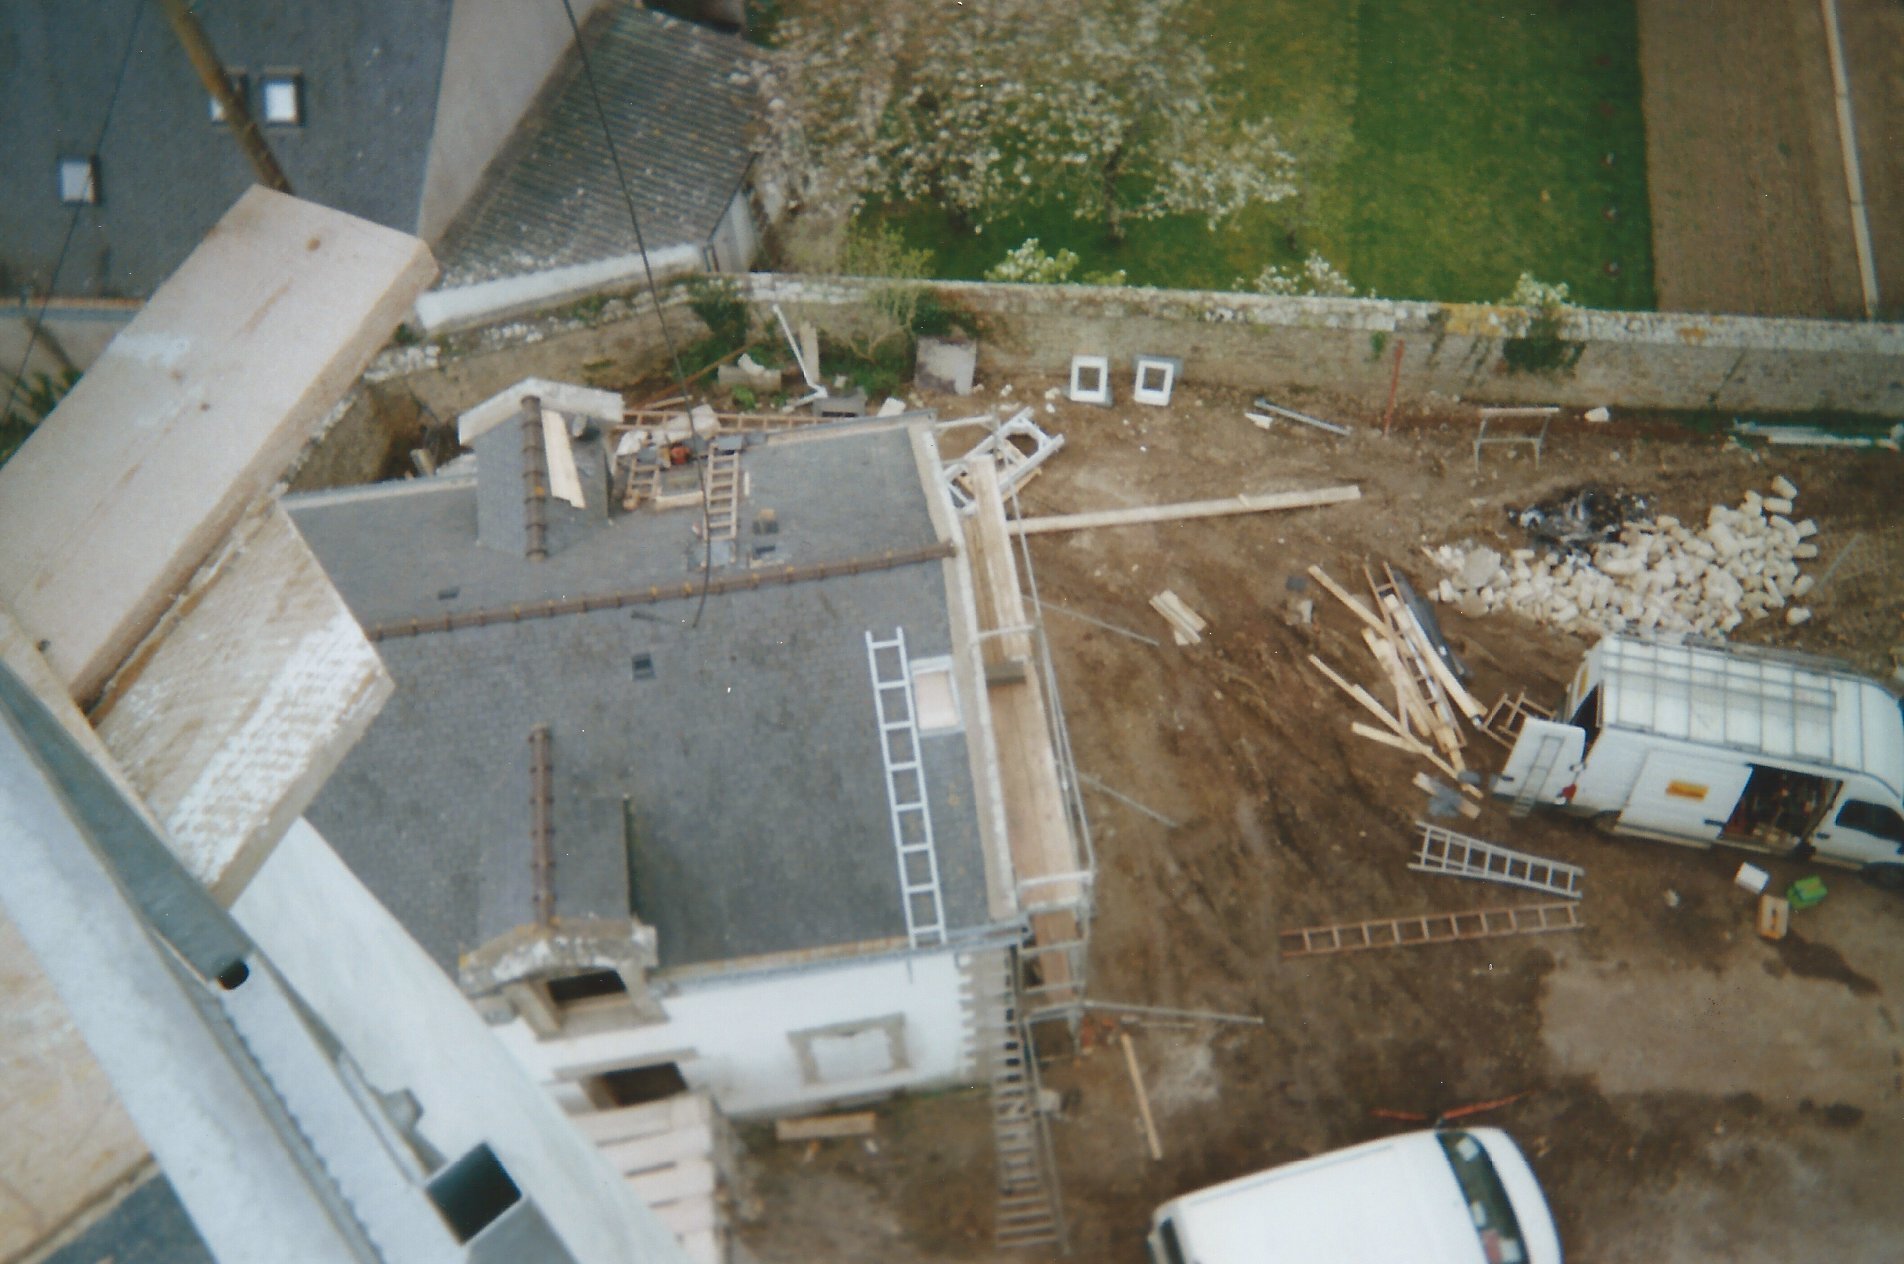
(945, 365)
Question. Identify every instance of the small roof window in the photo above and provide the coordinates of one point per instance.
(240, 84)
(79, 181)
(281, 97)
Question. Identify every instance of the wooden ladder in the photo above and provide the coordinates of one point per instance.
(723, 494)
(1431, 928)
(1029, 1211)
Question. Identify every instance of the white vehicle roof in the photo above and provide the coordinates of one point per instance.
(1394, 1201)
(1751, 700)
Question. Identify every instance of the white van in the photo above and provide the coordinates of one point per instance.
(1698, 743)
(1448, 1197)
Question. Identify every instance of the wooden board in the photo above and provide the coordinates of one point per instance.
(1187, 510)
(816, 1127)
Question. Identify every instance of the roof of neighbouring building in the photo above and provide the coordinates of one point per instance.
(679, 105)
(369, 71)
(715, 770)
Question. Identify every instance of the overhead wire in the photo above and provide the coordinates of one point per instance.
(72, 223)
(654, 292)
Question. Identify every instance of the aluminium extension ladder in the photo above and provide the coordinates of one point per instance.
(919, 892)
(1458, 855)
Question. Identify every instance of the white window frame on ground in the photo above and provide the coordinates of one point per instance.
(273, 87)
(1100, 367)
(240, 84)
(78, 179)
(1148, 365)
(936, 712)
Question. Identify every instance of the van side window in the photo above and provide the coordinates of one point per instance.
(1587, 714)
(1872, 818)
(1173, 1250)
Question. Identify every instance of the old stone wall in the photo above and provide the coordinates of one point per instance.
(1634, 359)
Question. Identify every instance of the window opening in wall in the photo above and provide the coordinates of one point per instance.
(586, 987)
(281, 97)
(644, 667)
(632, 1086)
(934, 698)
(79, 181)
(240, 84)
(473, 1192)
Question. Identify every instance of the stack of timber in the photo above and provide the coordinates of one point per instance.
(1429, 702)
(1186, 625)
(674, 1155)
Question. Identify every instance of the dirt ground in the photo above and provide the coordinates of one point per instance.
(1694, 1093)
(1746, 181)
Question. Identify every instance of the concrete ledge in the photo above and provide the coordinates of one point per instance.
(441, 311)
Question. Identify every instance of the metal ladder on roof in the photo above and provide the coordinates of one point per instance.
(1458, 855)
(1546, 755)
(1030, 1210)
(919, 893)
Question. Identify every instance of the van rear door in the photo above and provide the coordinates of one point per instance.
(1686, 796)
(1545, 757)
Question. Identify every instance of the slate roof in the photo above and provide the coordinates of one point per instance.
(680, 112)
(147, 1226)
(371, 70)
(735, 800)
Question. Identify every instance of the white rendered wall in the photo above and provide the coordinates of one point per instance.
(731, 1039)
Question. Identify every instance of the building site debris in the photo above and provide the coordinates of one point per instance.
(1090, 380)
(1143, 1097)
(1806, 892)
(946, 365)
(1155, 378)
(824, 1127)
(1096, 622)
(1532, 431)
(1443, 799)
(1184, 510)
(1575, 521)
(1127, 801)
(1333, 427)
(1775, 917)
(1443, 851)
(892, 407)
(1007, 446)
(1504, 720)
(1185, 624)
(808, 370)
(1816, 436)
(1652, 575)
(1600, 414)
(1751, 878)
(1452, 1114)
(1431, 928)
(1189, 1015)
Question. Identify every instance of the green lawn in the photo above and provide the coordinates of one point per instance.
(1445, 149)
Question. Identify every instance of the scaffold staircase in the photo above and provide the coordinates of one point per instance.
(911, 815)
(1030, 1210)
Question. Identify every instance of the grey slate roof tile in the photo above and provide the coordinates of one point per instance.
(680, 115)
(756, 811)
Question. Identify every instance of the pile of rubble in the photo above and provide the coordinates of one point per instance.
(1657, 575)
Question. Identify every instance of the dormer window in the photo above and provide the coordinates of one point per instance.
(281, 98)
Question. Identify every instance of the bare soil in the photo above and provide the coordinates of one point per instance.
(1744, 170)
(1694, 1093)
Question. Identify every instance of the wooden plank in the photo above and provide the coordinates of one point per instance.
(815, 1127)
(643, 1153)
(190, 415)
(1428, 785)
(685, 1179)
(689, 1215)
(1187, 510)
(565, 482)
(1186, 624)
(1361, 695)
(1348, 599)
(1143, 1097)
(1412, 629)
(626, 1123)
(1401, 741)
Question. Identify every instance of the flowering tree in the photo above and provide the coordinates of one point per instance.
(989, 106)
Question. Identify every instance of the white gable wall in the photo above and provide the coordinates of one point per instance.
(785, 1043)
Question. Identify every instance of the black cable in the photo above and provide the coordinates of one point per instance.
(654, 295)
(72, 224)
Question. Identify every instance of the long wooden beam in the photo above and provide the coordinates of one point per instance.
(1187, 509)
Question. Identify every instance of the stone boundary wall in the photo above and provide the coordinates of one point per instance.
(1630, 359)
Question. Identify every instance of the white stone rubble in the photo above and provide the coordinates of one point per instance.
(1658, 577)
